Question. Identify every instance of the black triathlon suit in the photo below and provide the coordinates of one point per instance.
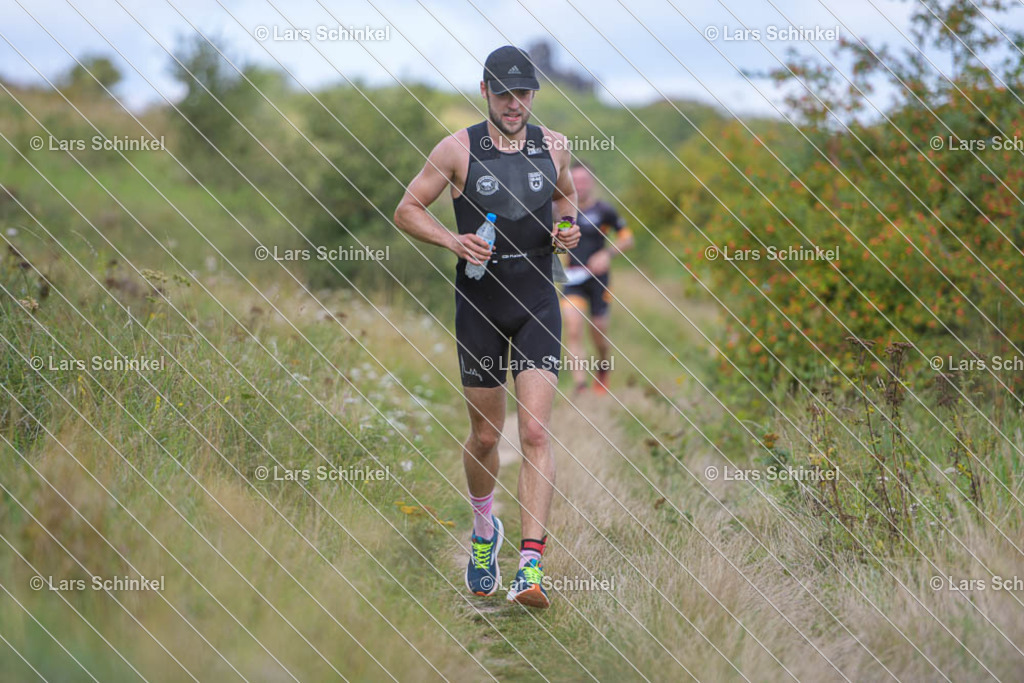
(515, 301)
(594, 224)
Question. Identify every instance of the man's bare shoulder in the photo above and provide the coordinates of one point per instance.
(552, 136)
(555, 142)
(452, 149)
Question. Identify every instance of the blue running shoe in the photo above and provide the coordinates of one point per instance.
(528, 587)
(482, 575)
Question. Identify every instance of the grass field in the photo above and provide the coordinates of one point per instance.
(283, 458)
(112, 473)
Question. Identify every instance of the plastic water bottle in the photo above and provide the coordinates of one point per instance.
(486, 231)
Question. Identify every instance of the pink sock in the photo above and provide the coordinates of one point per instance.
(526, 555)
(531, 549)
(483, 525)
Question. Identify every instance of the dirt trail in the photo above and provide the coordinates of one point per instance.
(705, 577)
(587, 424)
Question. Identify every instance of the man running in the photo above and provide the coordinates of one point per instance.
(588, 278)
(514, 170)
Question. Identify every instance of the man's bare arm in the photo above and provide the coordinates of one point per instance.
(412, 215)
(565, 192)
(564, 197)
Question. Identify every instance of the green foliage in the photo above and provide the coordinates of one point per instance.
(640, 133)
(225, 111)
(205, 404)
(882, 474)
(927, 240)
(371, 159)
(90, 75)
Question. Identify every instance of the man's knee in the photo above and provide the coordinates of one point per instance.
(534, 435)
(483, 439)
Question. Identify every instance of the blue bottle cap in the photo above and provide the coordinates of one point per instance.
(491, 217)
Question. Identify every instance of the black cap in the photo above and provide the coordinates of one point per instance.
(510, 68)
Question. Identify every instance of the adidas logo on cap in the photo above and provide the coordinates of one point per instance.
(513, 65)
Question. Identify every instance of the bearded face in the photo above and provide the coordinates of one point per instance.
(509, 111)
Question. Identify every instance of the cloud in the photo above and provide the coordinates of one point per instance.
(652, 47)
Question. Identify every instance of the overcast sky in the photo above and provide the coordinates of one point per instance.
(662, 50)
